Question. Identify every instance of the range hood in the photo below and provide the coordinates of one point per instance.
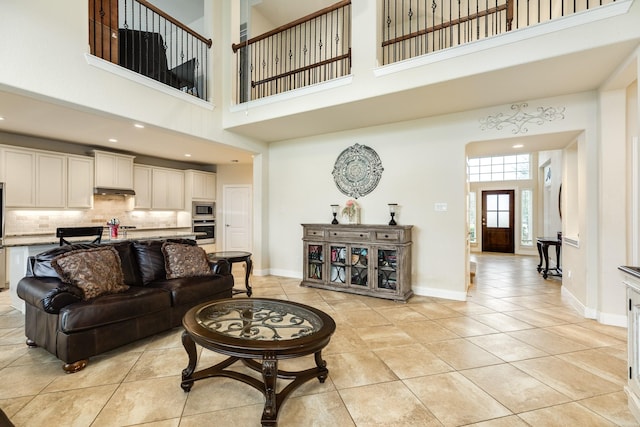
(104, 191)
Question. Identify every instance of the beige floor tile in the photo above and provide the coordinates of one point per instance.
(159, 363)
(136, 402)
(248, 416)
(587, 337)
(513, 388)
(462, 354)
(507, 348)
(40, 376)
(412, 361)
(468, 308)
(174, 422)
(455, 400)
(344, 340)
(547, 341)
(598, 362)
(466, 326)
(357, 369)
(383, 336)
(510, 421)
(101, 370)
(400, 315)
(426, 332)
(435, 310)
(536, 319)
(11, 406)
(66, 408)
(568, 379)
(359, 318)
(501, 322)
(613, 406)
(325, 409)
(214, 394)
(386, 404)
(612, 331)
(569, 414)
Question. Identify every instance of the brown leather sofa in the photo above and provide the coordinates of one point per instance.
(73, 328)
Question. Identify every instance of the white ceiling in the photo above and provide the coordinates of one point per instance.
(33, 115)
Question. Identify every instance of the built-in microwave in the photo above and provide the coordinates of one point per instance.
(203, 210)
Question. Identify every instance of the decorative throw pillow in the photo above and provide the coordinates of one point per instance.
(96, 271)
(182, 260)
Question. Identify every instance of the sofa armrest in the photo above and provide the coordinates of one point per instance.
(221, 267)
(48, 293)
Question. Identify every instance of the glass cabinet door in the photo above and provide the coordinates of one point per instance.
(387, 269)
(338, 265)
(315, 256)
(359, 266)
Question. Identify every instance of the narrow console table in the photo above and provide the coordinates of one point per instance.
(543, 244)
(373, 260)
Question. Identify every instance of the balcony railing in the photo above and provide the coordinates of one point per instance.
(417, 27)
(312, 49)
(137, 35)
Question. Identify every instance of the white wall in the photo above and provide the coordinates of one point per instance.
(424, 164)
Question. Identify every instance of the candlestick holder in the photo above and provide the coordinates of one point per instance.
(334, 210)
(392, 212)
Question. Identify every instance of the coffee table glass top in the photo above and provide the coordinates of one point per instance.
(255, 319)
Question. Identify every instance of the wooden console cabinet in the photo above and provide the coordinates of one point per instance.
(373, 260)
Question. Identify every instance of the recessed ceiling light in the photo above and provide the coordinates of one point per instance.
(518, 146)
(187, 155)
(139, 126)
(1, 118)
(113, 140)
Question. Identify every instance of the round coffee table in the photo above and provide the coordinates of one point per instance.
(261, 329)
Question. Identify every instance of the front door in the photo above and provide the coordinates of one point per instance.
(497, 221)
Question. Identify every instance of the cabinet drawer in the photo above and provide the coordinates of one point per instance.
(388, 236)
(352, 235)
(314, 232)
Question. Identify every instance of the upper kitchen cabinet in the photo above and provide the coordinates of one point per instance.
(80, 182)
(142, 186)
(167, 189)
(19, 168)
(113, 170)
(199, 185)
(51, 180)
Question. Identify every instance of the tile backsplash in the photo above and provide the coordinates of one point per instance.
(25, 221)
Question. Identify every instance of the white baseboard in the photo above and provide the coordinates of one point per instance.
(426, 291)
(592, 313)
(282, 273)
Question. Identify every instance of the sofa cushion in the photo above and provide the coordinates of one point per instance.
(96, 271)
(194, 290)
(40, 264)
(108, 309)
(151, 259)
(182, 260)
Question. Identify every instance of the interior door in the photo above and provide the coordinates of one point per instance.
(498, 221)
(237, 218)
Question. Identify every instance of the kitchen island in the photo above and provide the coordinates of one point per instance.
(21, 247)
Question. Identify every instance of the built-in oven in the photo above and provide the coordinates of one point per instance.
(207, 226)
(203, 210)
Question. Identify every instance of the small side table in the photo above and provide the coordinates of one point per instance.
(543, 244)
(236, 256)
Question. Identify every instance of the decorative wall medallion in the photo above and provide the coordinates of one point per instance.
(357, 171)
(518, 119)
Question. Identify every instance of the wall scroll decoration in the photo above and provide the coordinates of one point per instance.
(357, 171)
(519, 118)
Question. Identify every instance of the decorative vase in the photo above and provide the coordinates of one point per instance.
(354, 219)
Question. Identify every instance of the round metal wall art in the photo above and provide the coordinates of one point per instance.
(357, 171)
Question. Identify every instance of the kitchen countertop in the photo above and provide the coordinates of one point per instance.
(633, 271)
(132, 234)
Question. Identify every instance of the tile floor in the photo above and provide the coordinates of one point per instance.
(514, 354)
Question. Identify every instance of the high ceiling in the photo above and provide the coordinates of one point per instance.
(31, 114)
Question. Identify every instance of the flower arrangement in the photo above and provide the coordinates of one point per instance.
(350, 210)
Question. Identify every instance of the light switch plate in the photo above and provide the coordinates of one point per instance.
(440, 207)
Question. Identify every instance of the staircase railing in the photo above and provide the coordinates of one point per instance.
(313, 49)
(416, 27)
(141, 37)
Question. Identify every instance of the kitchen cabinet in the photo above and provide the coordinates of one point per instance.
(373, 260)
(113, 170)
(20, 180)
(79, 182)
(632, 283)
(167, 189)
(51, 180)
(199, 185)
(142, 186)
